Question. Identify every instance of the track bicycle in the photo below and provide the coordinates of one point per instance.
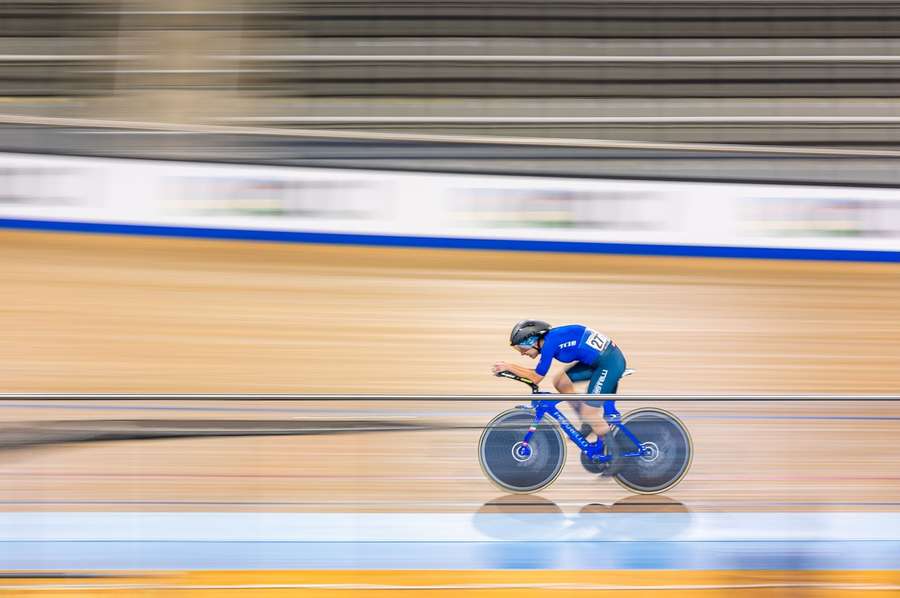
(522, 449)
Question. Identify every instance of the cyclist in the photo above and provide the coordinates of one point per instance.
(594, 358)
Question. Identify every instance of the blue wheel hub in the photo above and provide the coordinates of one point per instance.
(521, 452)
(649, 452)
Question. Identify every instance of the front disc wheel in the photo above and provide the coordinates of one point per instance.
(511, 464)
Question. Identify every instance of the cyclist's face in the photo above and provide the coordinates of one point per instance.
(531, 352)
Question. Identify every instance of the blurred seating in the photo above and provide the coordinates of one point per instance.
(717, 71)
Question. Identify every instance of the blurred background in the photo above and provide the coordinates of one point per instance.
(264, 196)
(791, 73)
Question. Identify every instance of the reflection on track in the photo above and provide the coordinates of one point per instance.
(531, 503)
(513, 518)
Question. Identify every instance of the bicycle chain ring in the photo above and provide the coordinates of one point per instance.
(591, 466)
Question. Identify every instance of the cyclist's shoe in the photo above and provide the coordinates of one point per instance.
(611, 415)
(586, 429)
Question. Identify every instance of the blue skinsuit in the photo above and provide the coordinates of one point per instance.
(596, 358)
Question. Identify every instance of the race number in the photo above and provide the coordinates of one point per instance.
(598, 341)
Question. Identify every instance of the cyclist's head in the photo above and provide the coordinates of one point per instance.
(526, 334)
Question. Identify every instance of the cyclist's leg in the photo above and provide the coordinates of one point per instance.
(564, 382)
(578, 372)
(604, 381)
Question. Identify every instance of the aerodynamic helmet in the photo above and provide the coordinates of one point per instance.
(527, 332)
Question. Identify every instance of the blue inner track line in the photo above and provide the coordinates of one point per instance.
(88, 555)
(321, 540)
(280, 236)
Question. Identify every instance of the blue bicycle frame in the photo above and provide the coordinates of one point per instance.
(594, 450)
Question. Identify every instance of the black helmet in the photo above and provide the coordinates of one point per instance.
(527, 332)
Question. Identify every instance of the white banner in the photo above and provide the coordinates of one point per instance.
(98, 190)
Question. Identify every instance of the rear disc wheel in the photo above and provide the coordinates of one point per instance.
(668, 451)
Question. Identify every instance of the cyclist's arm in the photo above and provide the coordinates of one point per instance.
(535, 375)
(524, 372)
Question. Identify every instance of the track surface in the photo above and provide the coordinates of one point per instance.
(812, 456)
(88, 313)
(106, 314)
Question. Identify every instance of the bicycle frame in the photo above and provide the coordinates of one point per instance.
(594, 450)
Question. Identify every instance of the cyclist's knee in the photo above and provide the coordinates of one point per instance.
(595, 417)
(563, 384)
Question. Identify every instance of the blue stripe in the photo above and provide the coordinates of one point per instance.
(793, 555)
(278, 236)
(428, 540)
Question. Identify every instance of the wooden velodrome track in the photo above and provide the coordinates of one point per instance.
(83, 313)
(96, 314)
(88, 313)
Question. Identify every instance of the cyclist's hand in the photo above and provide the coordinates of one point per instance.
(500, 366)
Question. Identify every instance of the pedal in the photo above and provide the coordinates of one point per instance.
(613, 467)
(617, 462)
